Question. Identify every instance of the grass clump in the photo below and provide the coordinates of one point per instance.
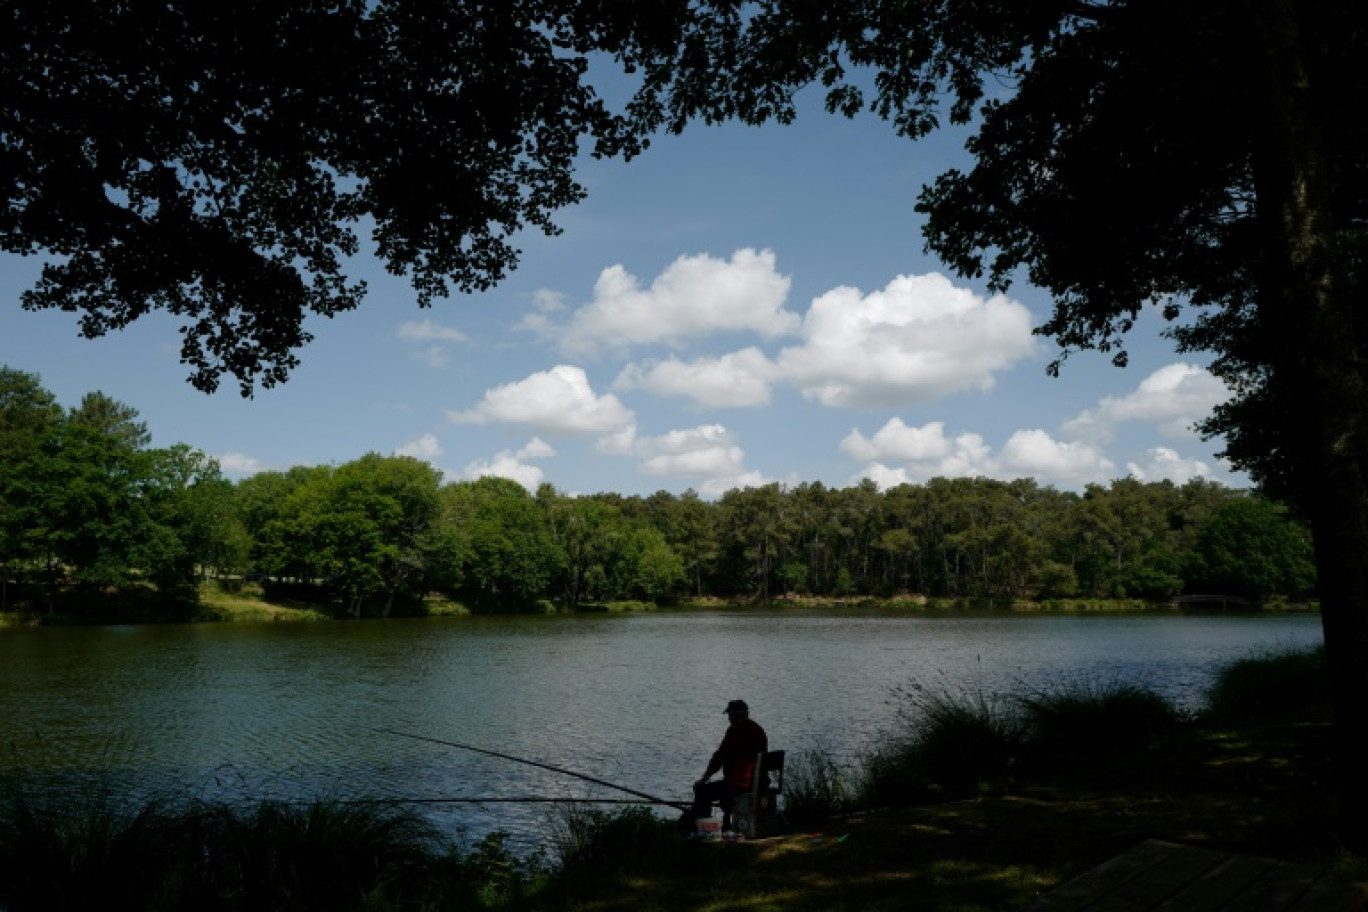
(89, 850)
(601, 853)
(98, 850)
(963, 743)
(586, 837)
(1088, 720)
(323, 855)
(815, 788)
(955, 744)
(1278, 682)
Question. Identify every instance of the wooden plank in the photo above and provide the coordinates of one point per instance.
(1160, 876)
(1166, 879)
(1106, 877)
(1331, 894)
(1281, 886)
(1219, 885)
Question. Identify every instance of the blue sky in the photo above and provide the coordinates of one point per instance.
(737, 306)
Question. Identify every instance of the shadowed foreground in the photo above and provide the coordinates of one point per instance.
(1262, 794)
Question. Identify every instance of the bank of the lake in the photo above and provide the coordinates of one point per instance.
(253, 605)
(1262, 790)
(234, 600)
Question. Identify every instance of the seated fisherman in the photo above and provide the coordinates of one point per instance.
(735, 758)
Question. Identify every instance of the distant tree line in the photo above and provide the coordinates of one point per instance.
(88, 509)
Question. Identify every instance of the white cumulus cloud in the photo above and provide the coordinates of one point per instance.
(1172, 398)
(425, 448)
(708, 451)
(239, 464)
(708, 456)
(918, 339)
(740, 379)
(897, 453)
(428, 331)
(714, 488)
(694, 296)
(1162, 463)
(559, 401)
(926, 451)
(896, 441)
(883, 476)
(1035, 454)
(515, 465)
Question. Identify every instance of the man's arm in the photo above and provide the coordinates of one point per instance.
(718, 757)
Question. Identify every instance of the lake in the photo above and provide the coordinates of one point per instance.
(303, 710)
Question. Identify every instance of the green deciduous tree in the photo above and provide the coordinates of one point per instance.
(497, 544)
(30, 419)
(197, 526)
(1249, 548)
(367, 526)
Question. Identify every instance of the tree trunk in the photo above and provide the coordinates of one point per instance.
(1323, 371)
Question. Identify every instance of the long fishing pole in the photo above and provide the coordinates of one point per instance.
(546, 766)
(615, 801)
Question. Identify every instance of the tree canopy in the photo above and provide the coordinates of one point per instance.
(219, 161)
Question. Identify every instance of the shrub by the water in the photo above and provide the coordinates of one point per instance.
(815, 788)
(90, 849)
(1278, 681)
(956, 742)
(583, 836)
(323, 855)
(1084, 720)
(890, 776)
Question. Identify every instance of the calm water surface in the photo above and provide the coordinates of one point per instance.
(246, 711)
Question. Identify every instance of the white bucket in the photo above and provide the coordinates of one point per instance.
(708, 826)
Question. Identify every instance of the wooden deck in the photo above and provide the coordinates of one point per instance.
(1165, 876)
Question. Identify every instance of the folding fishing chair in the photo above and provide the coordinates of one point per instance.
(756, 813)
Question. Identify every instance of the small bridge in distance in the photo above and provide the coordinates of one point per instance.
(1224, 602)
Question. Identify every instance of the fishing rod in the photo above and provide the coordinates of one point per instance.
(546, 766)
(618, 801)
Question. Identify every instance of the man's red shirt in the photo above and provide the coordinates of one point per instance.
(735, 756)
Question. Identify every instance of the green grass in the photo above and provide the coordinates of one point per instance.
(217, 605)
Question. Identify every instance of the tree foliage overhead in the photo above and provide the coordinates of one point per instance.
(219, 161)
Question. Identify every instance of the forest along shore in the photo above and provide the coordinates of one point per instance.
(98, 525)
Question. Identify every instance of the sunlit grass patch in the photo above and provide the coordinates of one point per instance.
(215, 604)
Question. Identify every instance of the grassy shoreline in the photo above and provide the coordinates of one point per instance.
(214, 601)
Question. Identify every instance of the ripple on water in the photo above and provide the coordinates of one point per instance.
(291, 712)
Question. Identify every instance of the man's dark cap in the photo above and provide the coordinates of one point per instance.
(737, 706)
